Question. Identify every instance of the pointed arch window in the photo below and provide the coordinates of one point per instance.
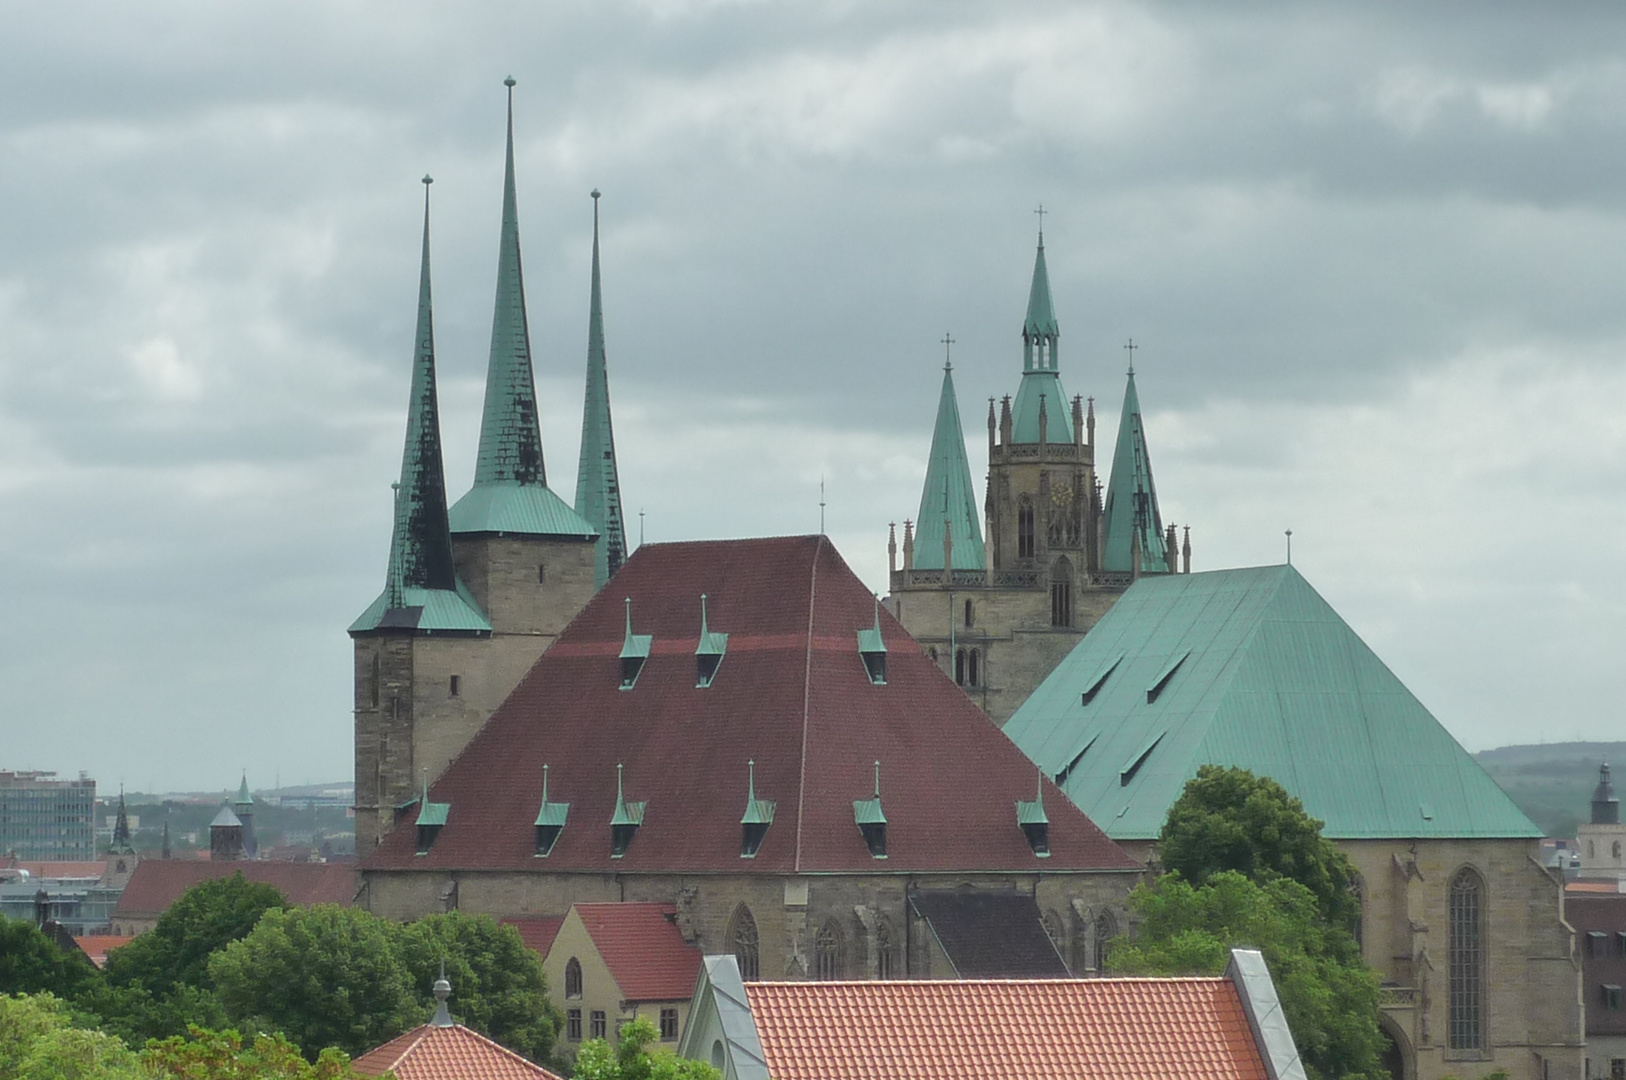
(886, 950)
(959, 667)
(742, 940)
(1024, 529)
(828, 958)
(972, 675)
(1106, 928)
(1061, 593)
(573, 978)
(1466, 999)
(968, 614)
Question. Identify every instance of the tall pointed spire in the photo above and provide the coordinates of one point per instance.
(421, 541)
(510, 493)
(598, 484)
(1041, 388)
(121, 830)
(1130, 516)
(948, 500)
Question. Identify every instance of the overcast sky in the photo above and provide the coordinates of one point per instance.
(1374, 256)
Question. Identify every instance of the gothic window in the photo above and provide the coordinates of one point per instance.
(1106, 928)
(968, 614)
(972, 674)
(827, 952)
(573, 978)
(601, 1024)
(959, 666)
(1061, 593)
(1024, 529)
(1465, 918)
(886, 950)
(742, 937)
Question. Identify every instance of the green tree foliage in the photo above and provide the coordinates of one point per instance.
(39, 1042)
(223, 1055)
(634, 1059)
(32, 963)
(497, 984)
(324, 976)
(1230, 819)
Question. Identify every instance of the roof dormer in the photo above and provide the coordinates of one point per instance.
(708, 655)
(431, 818)
(872, 650)
(1032, 820)
(625, 821)
(634, 652)
(758, 815)
(871, 821)
(550, 820)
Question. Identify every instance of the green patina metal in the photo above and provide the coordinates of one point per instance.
(712, 642)
(626, 813)
(757, 811)
(868, 811)
(1031, 812)
(1273, 681)
(421, 590)
(551, 814)
(1130, 514)
(598, 484)
(243, 797)
(948, 501)
(1041, 387)
(510, 493)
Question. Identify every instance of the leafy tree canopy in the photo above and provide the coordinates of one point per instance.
(634, 1059)
(32, 963)
(223, 1055)
(1230, 819)
(39, 1042)
(206, 917)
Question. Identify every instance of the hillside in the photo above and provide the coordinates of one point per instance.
(1552, 782)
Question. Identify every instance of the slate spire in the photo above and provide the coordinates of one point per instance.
(1130, 516)
(121, 830)
(598, 485)
(948, 500)
(1041, 388)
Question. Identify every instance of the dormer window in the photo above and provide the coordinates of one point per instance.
(708, 655)
(634, 652)
(758, 816)
(1035, 825)
(550, 820)
(871, 821)
(872, 650)
(625, 821)
(431, 819)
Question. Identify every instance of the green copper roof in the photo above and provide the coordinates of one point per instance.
(757, 811)
(1131, 510)
(626, 813)
(1031, 812)
(551, 813)
(1040, 381)
(868, 811)
(243, 797)
(510, 493)
(1041, 320)
(1267, 677)
(948, 498)
(421, 590)
(598, 485)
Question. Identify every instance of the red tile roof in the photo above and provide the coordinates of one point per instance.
(791, 693)
(63, 869)
(1592, 887)
(96, 946)
(1065, 1029)
(158, 883)
(537, 931)
(643, 949)
(447, 1053)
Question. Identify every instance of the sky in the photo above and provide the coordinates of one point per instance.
(1372, 257)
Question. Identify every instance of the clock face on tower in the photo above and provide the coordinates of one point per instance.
(1061, 495)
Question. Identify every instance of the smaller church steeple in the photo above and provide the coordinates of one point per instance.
(1041, 381)
(598, 484)
(1131, 521)
(1605, 806)
(949, 522)
(121, 830)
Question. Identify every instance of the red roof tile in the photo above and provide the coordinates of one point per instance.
(537, 931)
(64, 869)
(1064, 1029)
(1592, 887)
(643, 949)
(447, 1053)
(158, 883)
(96, 946)
(791, 693)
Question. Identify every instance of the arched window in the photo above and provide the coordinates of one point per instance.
(1466, 920)
(968, 614)
(959, 666)
(573, 978)
(971, 675)
(886, 950)
(1024, 529)
(1061, 593)
(827, 952)
(1106, 928)
(742, 939)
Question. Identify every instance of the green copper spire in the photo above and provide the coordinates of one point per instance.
(243, 797)
(510, 493)
(598, 486)
(421, 589)
(947, 500)
(1130, 515)
(1041, 384)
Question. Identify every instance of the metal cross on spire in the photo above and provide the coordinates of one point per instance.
(1131, 347)
(948, 349)
(1041, 211)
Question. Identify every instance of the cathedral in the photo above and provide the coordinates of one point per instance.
(1000, 614)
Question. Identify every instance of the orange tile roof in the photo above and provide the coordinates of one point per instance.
(96, 946)
(158, 883)
(83, 869)
(447, 1053)
(1061, 1029)
(642, 947)
(1592, 887)
(537, 931)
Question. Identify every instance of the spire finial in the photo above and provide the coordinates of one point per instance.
(509, 82)
(877, 778)
(544, 783)
(1131, 346)
(703, 627)
(1289, 547)
(629, 616)
(442, 990)
(948, 348)
(751, 781)
(1041, 211)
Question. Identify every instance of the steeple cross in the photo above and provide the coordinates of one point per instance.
(1131, 347)
(948, 347)
(1041, 212)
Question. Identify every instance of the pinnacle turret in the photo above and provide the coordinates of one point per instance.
(948, 504)
(598, 485)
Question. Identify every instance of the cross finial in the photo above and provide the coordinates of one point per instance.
(821, 505)
(1041, 211)
(1289, 547)
(1131, 346)
(948, 351)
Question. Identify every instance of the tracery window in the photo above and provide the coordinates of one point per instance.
(1061, 593)
(886, 950)
(742, 936)
(1024, 529)
(827, 952)
(1465, 917)
(1106, 928)
(573, 978)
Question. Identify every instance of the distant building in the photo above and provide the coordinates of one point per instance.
(610, 963)
(1601, 842)
(1597, 910)
(158, 883)
(43, 818)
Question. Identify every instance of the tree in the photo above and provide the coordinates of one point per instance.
(498, 988)
(634, 1060)
(31, 963)
(39, 1042)
(1230, 819)
(205, 918)
(222, 1055)
(324, 976)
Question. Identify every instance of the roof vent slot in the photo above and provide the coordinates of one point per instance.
(1099, 680)
(431, 818)
(1030, 816)
(758, 815)
(708, 655)
(873, 650)
(1132, 766)
(1067, 770)
(625, 821)
(1164, 676)
(634, 651)
(550, 820)
(871, 822)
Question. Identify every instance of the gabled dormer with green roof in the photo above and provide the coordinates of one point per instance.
(948, 502)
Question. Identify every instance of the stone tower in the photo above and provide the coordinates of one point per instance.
(999, 615)
(1602, 841)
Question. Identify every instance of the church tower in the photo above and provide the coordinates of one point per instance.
(598, 486)
(999, 615)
